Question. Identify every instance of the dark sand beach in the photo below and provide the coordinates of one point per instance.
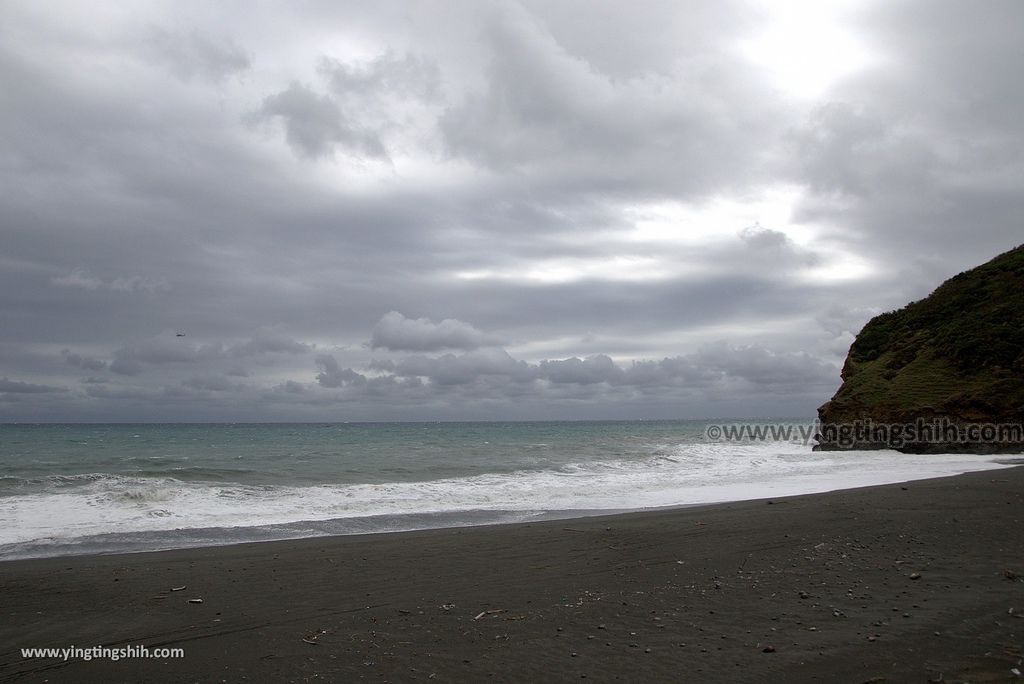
(900, 583)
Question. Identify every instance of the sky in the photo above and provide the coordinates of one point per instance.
(475, 210)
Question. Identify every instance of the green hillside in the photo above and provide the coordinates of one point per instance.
(957, 354)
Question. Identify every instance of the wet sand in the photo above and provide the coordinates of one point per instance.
(899, 583)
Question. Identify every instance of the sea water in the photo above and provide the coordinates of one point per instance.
(88, 488)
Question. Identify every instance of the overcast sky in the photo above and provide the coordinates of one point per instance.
(485, 210)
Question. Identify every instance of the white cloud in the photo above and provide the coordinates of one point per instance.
(78, 278)
(398, 333)
(82, 279)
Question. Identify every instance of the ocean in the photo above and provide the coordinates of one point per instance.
(91, 488)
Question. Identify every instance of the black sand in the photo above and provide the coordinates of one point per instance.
(913, 583)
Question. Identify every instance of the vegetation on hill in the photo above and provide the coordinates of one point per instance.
(957, 354)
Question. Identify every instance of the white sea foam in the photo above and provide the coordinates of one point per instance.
(97, 504)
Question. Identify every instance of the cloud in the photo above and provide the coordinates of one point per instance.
(83, 362)
(197, 55)
(753, 364)
(269, 342)
(292, 387)
(759, 237)
(18, 387)
(332, 375)
(160, 350)
(390, 75)
(855, 153)
(315, 125)
(124, 365)
(561, 116)
(382, 365)
(365, 101)
(766, 367)
(132, 359)
(114, 392)
(79, 278)
(775, 245)
(593, 369)
(839, 319)
(567, 187)
(450, 369)
(398, 333)
(869, 156)
(212, 383)
(139, 284)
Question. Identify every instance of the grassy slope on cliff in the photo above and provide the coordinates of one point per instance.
(959, 352)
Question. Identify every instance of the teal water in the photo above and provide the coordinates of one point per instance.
(106, 488)
(349, 453)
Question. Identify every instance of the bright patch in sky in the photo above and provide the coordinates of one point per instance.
(841, 267)
(553, 271)
(806, 47)
(662, 238)
(721, 218)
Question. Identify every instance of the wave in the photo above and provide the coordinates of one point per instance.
(181, 473)
(60, 509)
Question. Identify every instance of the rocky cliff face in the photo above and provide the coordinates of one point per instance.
(944, 374)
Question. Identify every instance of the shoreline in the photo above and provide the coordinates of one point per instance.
(822, 582)
(542, 518)
(145, 541)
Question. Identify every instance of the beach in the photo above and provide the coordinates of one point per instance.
(897, 583)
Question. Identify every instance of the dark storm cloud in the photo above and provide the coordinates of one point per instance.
(567, 203)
